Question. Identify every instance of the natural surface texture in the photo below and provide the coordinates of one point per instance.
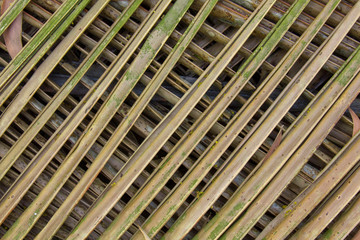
(186, 119)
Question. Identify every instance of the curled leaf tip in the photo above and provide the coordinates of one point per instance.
(12, 35)
(146, 237)
(356, 121)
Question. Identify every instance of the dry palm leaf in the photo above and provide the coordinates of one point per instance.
(144, 234)
(274, 146)
(12, 35)
(356, 121)
(170, 129)
(312, 196)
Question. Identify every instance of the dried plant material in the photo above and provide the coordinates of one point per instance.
(12, 35)
(274, 146)
(356, 121)
(144, 233)
(156, 81)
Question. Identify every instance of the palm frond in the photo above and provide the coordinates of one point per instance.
(160, 119)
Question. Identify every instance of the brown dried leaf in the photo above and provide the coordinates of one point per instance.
(356, 121)
(274, 146)
(12, 35)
